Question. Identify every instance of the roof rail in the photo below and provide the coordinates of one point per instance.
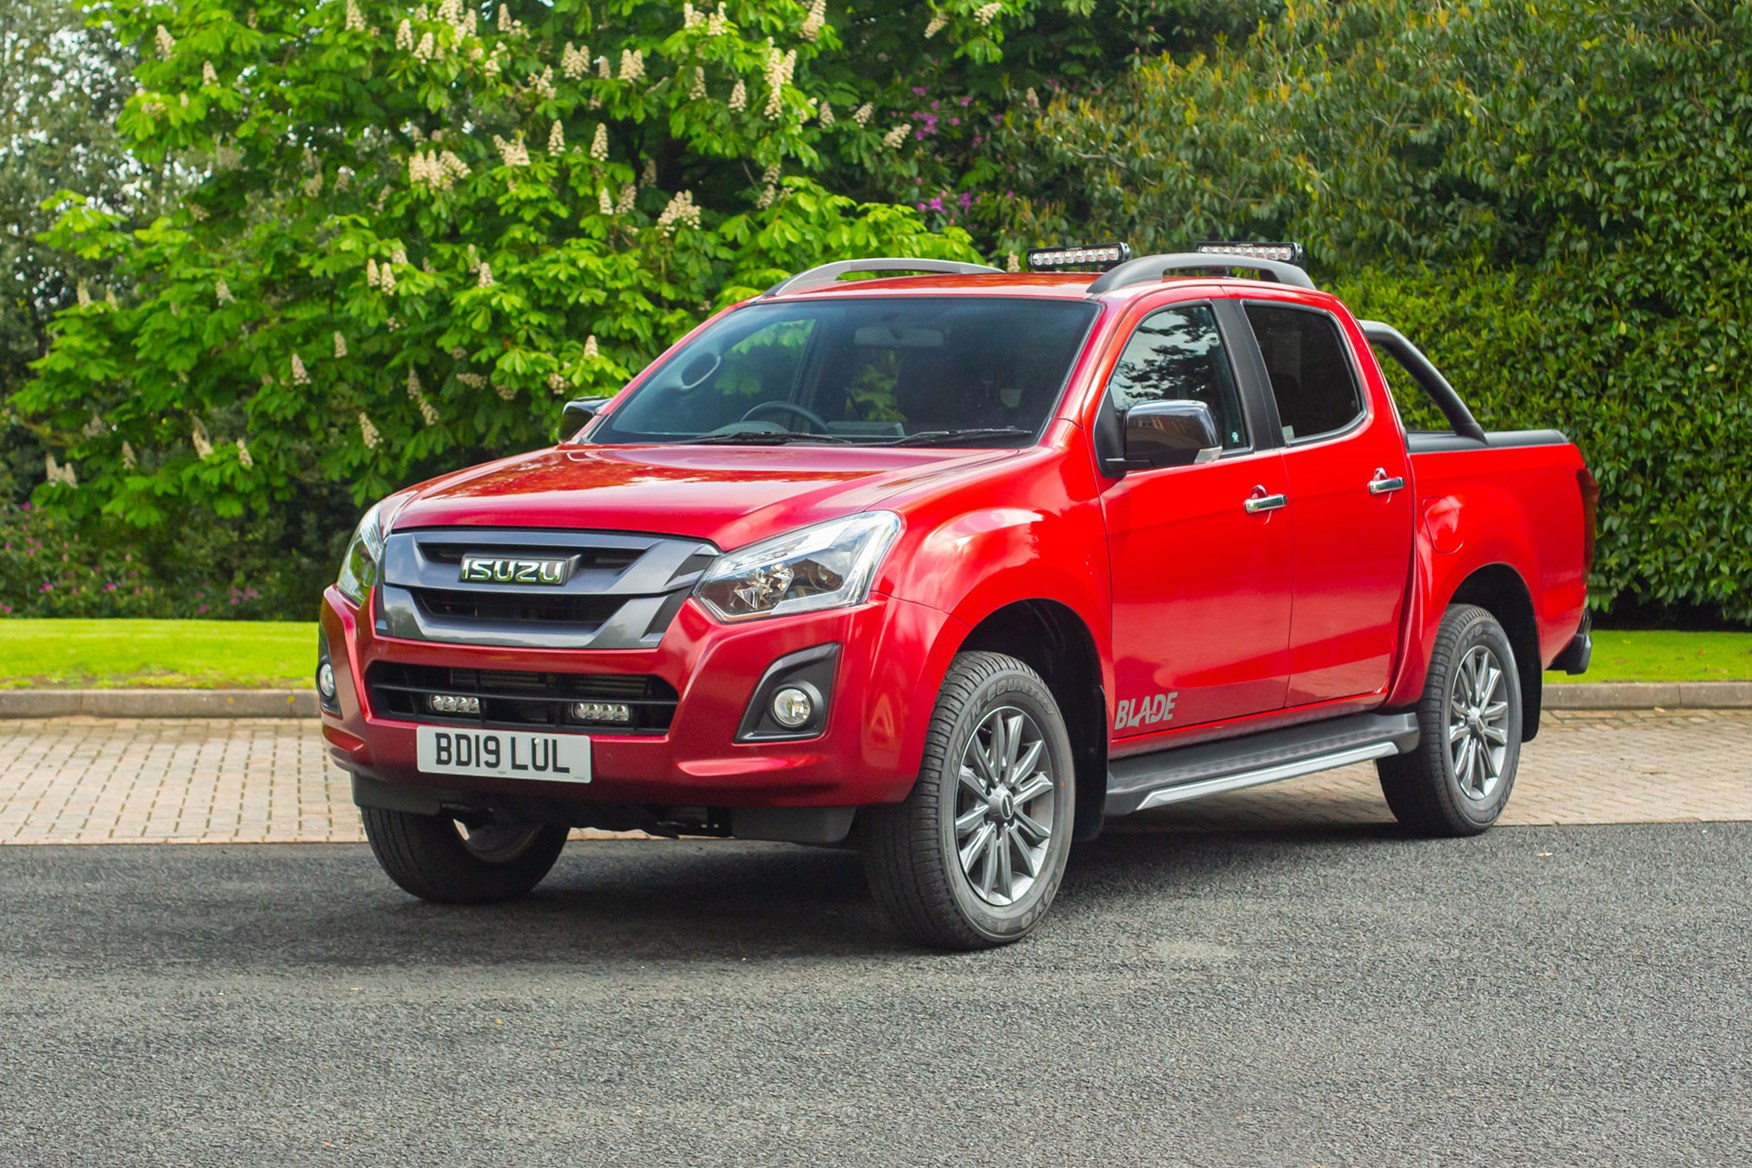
(1150, 269)
(825, 274)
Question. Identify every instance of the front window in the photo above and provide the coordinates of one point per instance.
(877, 371)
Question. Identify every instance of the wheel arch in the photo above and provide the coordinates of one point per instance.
(1500, 591)
(1056, 643)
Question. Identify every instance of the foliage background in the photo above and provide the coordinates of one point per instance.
(1551, 199)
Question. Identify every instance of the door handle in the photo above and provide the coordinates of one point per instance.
(1381, 484)
(1261, 500)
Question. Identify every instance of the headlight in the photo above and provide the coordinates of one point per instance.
(364, 552)
(829, 565)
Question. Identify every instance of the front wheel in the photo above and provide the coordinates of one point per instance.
(1458, 780)
(449, 861)
(975, 854)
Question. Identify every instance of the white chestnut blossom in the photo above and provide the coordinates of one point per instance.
(604, 202)
(779, 68)
(697, 87)
(485, 279)
(340, 346)
(222, 291)
(985, 12)
(629, 198)
(198, 437)
(826, 114)
(681, 209)
(590, 349)
(209, 75)
(556, 138)
(938, 20)
(575, 63)
(82, 295)
(129, 461)
(543, 85)
(717, 23)
(739, 97)
(602, 69)
(59, 474)
(632, 65)
(398, 256)
(164, 41)
(243, 456)
(648, 176)
(355, 18)
(427, 49)
(896, 136)
(512, 153)
(472, 380)
(299, 375)
(863, 114)
(816, 18)
(691, 16)
(368, 433)
(404, 35)
(599, 144)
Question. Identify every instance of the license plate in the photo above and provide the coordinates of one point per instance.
(503, 754)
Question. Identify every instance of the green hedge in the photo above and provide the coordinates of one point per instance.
(1552, 200)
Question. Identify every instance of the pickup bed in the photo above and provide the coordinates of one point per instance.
(953, 566)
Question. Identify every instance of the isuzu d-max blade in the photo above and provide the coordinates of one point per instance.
(953, 565)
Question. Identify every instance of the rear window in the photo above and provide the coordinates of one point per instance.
(1311, 375)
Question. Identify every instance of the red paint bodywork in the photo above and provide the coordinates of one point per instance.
(1255, 621)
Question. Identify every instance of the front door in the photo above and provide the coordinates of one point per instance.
(1201, 582)
(1348, 493)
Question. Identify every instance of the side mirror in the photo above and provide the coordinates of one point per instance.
(577, 413)
(1170, 433)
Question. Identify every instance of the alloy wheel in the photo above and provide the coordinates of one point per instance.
(1478, 723)
(1006, 806)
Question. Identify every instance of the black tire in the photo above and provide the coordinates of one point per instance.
(912, 850)
(1426, 789)
(428, 856)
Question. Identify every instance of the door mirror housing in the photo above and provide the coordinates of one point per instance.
(1170, 433)
(577, 413)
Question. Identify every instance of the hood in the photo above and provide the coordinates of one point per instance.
(728, 495)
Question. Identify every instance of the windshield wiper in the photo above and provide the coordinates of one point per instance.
(953, 437)
(761, 438)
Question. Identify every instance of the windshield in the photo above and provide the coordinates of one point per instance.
(877, 371)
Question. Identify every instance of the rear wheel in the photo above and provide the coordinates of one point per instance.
(975, 854)
(449, 861)
(1458, 780)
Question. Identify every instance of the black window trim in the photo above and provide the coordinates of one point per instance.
(1363, 416)
(1249, 420)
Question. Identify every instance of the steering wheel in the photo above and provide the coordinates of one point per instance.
(804, 412)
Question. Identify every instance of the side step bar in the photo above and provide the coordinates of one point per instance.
(1170, 776)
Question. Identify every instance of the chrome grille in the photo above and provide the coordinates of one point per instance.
(621, 592)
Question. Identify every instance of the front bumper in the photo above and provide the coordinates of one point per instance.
(893, 656)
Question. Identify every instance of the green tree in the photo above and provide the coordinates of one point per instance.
(61, 85)
(419, 230)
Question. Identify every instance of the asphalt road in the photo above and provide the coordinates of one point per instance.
(1540, 996)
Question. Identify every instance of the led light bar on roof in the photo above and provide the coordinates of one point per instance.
(1283, 253)
(1064, 259)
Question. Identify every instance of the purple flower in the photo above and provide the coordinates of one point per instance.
(936, 204)
(110, 587)
(47, 587)
(954, 121)
(201, 609)
(919, 91)
(966, 200)
(967, 99)
(921, 206)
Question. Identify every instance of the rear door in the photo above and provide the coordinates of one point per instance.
(1347, 472)
(1201, 584)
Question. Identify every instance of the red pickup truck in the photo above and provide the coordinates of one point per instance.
(952, 566)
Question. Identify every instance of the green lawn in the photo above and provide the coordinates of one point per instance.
(69, 654)
(246, 654)
(1666, 656)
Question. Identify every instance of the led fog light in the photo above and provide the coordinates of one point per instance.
(601, 712)
(792, 707)
(325, 681)
(453, 704)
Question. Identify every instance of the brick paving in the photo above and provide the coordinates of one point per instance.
(154, 780)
